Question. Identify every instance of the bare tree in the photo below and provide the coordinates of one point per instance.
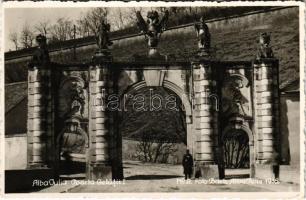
(62, 30)
(164, 150)
(161, 9)
(130, 15)
(119, 20)
(83, 29)
(93, 19)
(43, 27)
(236, 150)
(144, 148)
(14, 39)
(26, 37)
(149, 149)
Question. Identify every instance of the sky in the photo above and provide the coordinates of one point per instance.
(15, 18)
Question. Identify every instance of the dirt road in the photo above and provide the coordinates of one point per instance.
(144, 177)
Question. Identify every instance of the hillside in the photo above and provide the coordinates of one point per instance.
(236, 43)
(164, 124)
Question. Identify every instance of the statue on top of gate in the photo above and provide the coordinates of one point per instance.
(41, 54)
(203, 36)
(153, 27)
(103, 40)
(265, 50)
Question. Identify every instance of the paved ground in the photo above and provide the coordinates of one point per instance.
(141, 177)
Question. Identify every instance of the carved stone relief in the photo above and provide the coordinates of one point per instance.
(73, 98)
(236, 96)
(73, 113)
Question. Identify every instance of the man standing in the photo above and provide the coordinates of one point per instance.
(187, 164)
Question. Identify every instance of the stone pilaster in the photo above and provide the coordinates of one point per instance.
(99, 124)
(206, 122)
(266, 117)
(50, 119)
(39, 122)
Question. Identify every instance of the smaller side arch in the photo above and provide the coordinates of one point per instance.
(247, 130)
(242, 127)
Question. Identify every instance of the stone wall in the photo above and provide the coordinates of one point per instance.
(16, 151)
(290, 141)
(183, 38)
(16, 119)
(290, 126)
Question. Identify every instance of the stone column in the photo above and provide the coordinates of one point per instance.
(206, 122)
(267, 117)
(100, 167)
(38, 123)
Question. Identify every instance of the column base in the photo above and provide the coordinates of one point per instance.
(37, 166)
(117, 172)
(99, 171)
(266, 171)
(206, 171)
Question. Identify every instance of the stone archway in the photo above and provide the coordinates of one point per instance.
(175, 89)
(167, 84)
(186, 105)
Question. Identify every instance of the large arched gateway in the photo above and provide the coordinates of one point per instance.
(71, 103)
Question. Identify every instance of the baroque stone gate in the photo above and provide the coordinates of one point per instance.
(68, 104)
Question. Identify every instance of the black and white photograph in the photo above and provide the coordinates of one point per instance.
(151, 98)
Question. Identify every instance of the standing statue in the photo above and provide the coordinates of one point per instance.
(77, 100)
(102, 38)
(153, 28)
(264, 51)
(203, 35)
(41, 54)
(235, 99)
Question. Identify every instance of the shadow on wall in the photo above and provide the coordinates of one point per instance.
(290, 129)
(14, 184)
(290, 138)
(285, 147)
